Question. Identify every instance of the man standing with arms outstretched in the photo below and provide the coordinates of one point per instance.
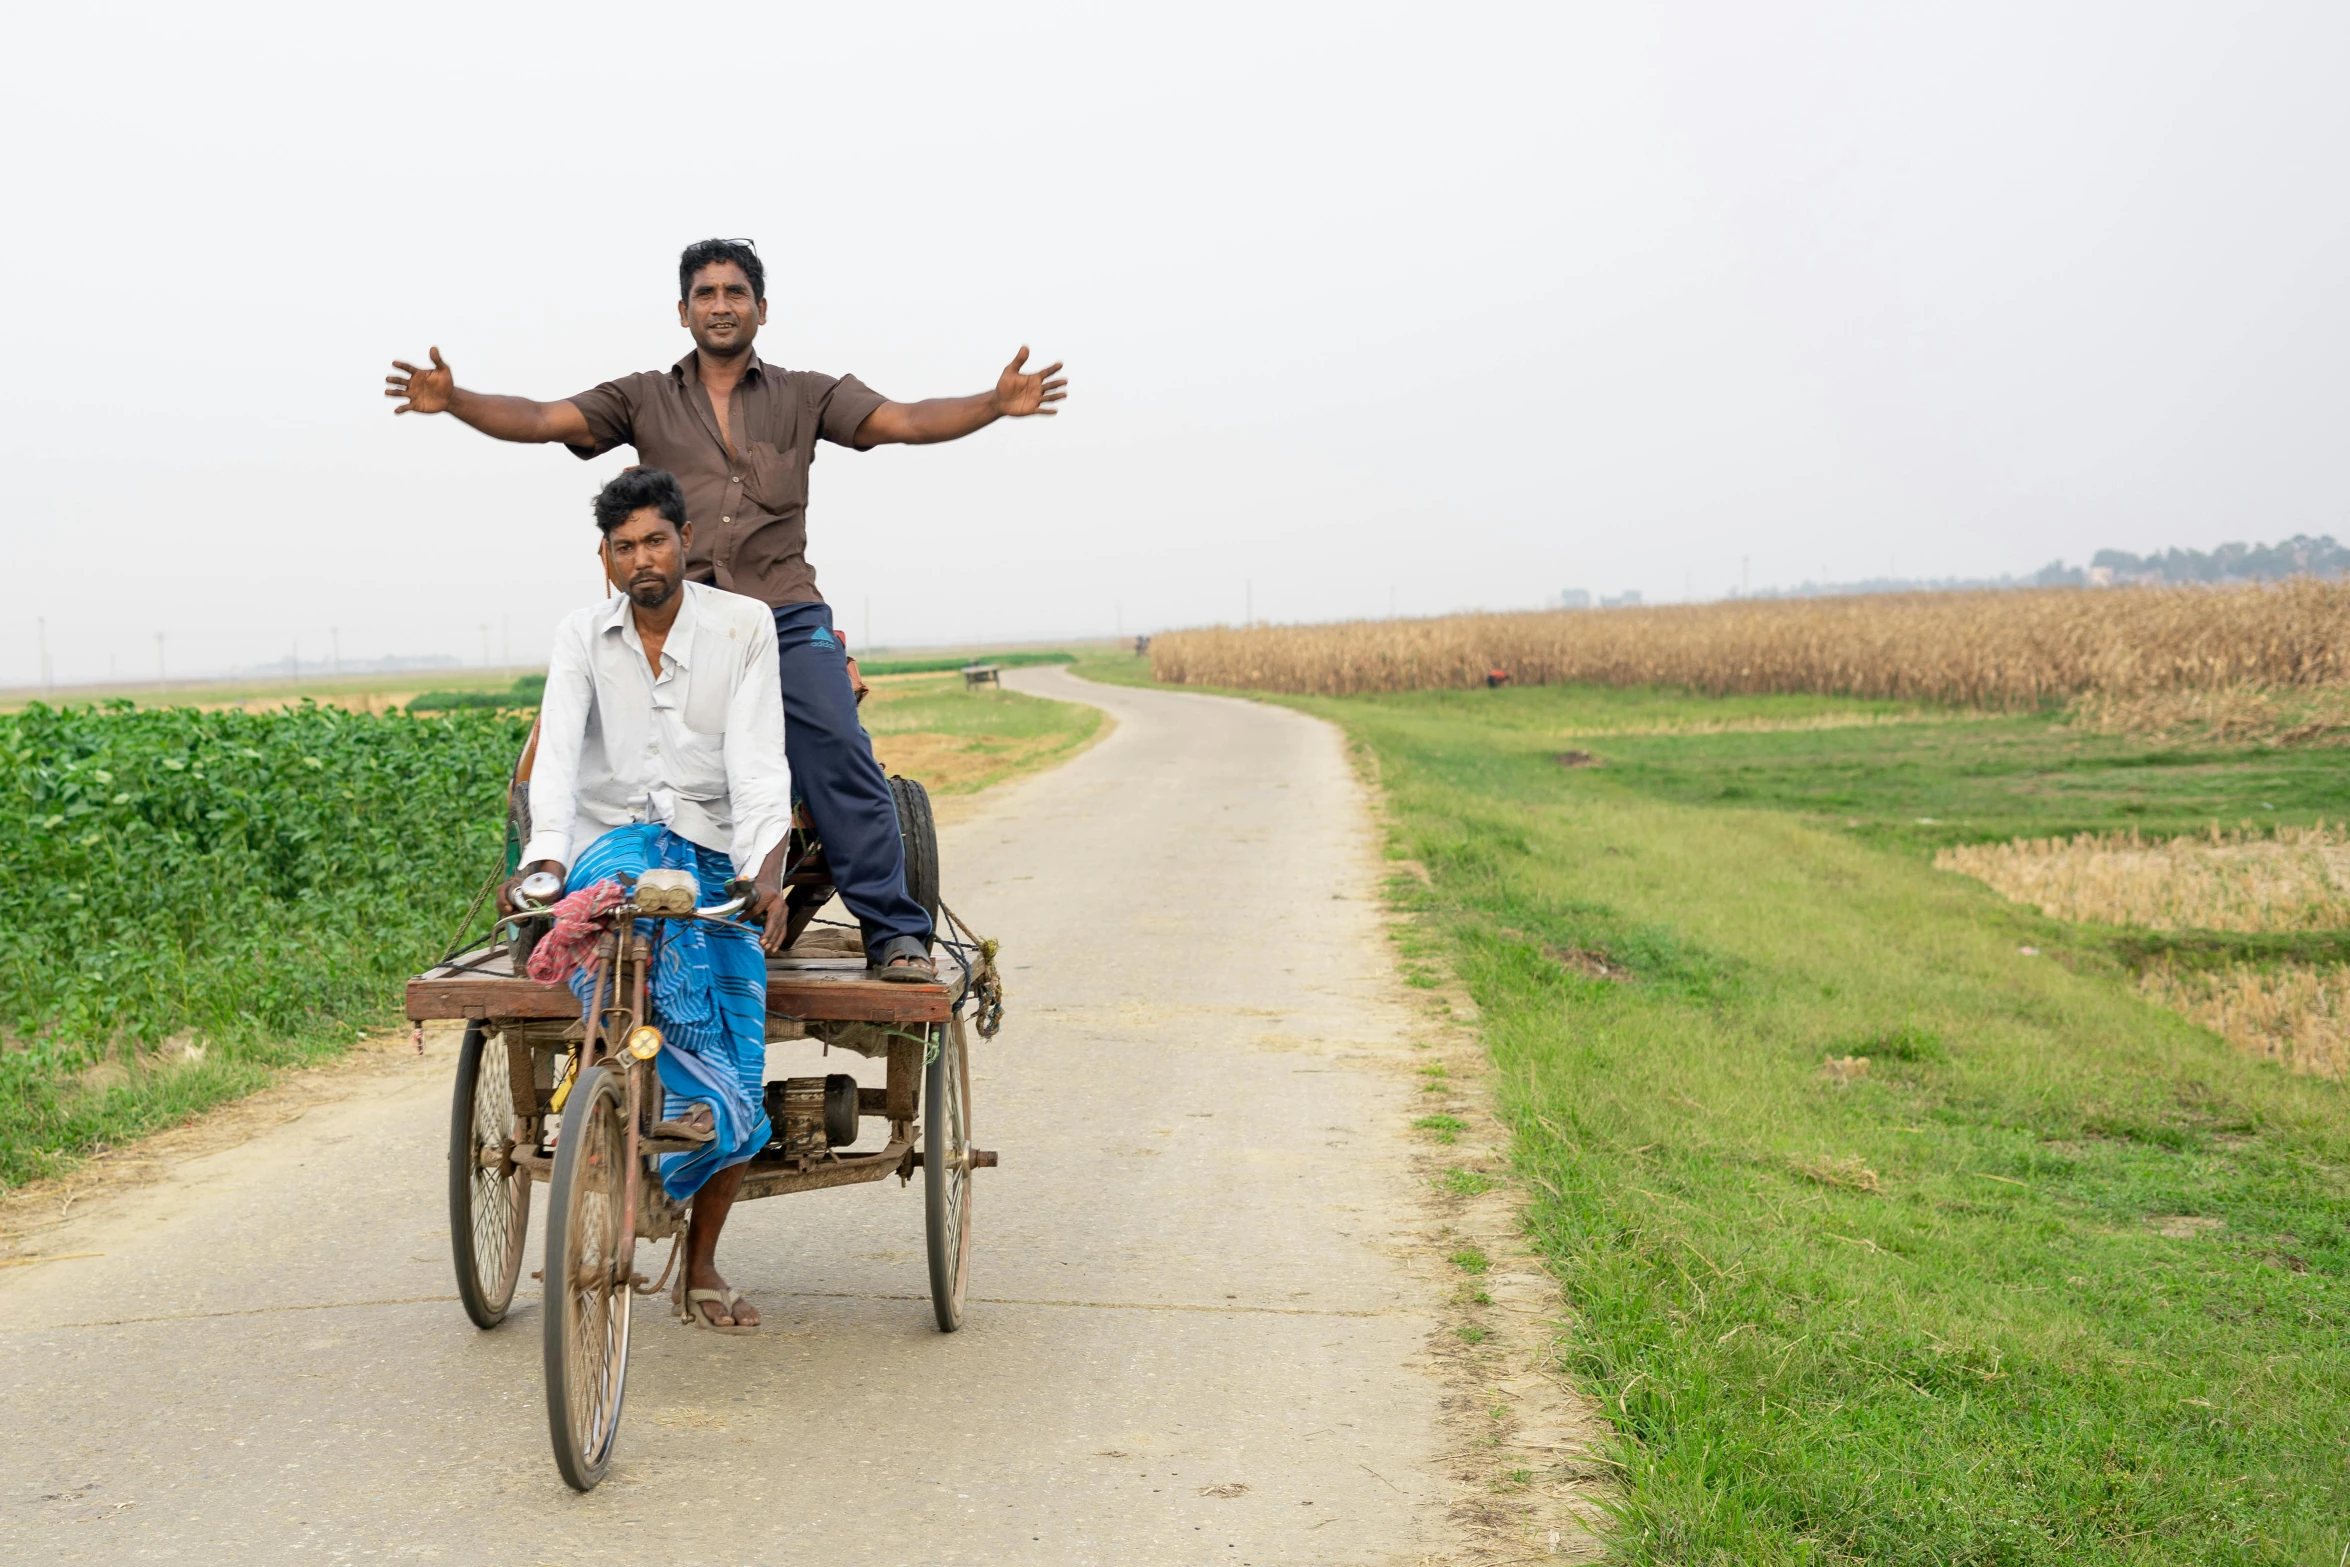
(740, 434)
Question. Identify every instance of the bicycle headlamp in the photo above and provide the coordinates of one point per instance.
(645, 1042)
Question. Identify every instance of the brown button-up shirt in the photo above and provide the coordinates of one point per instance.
(749, 502)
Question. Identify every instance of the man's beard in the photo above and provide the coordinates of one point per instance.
(651, 592)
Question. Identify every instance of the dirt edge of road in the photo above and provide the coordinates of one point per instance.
(1527, 1450)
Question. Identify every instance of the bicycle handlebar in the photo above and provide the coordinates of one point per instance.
(539, 890)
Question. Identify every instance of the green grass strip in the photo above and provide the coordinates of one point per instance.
(2060, 1279)
(525, 692)
(934, 666)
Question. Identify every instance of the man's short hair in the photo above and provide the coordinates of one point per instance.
(632, 490)
(702, 252)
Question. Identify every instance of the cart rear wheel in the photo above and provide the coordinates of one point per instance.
(587, 1280)
(919, 835)
(946, 1173)
(489, 1196)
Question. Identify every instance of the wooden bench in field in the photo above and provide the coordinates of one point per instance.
(976, 675)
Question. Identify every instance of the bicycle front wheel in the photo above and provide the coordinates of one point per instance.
(587, 1280)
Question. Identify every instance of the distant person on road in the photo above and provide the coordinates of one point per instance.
(661, 745)
(740, 434)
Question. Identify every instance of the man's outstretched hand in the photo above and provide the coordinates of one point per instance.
(1019, 392)
(427, 391)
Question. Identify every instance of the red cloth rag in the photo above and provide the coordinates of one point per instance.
(570, 945)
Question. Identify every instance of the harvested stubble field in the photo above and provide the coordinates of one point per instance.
(1999, 650)
(2298, 1017)
(2289, 715)
(2295, 879)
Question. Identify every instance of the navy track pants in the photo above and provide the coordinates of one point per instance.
(833, 769)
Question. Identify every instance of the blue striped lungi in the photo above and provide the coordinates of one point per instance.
(708, 993)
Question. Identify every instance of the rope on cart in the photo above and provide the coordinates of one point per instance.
(459, 941)
(983, 983)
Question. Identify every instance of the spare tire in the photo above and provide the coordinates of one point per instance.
(920, 838)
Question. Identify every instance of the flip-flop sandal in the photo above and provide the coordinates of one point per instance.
(689, 1309)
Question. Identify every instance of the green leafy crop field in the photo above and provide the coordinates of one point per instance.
(251, 888)
(199, 898)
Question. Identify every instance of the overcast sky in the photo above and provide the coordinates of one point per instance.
(1363, 305)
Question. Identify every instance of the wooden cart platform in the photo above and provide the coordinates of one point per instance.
(825, 987)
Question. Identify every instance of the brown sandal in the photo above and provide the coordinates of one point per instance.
(903, 962)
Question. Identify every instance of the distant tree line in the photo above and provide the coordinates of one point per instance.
(2298, 556)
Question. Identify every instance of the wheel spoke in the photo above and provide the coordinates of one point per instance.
(959, 1135)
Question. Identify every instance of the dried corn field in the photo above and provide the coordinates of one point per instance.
(2297, 1017)
(2297, 879)
(2001, 650)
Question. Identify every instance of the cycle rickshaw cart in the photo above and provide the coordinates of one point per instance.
(547, 1091)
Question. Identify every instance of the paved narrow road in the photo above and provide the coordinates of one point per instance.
(1194, 1336)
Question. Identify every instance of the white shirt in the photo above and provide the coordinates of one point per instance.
(698, 749)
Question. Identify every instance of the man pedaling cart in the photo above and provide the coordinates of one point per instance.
(661, 747)
(739, 435)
